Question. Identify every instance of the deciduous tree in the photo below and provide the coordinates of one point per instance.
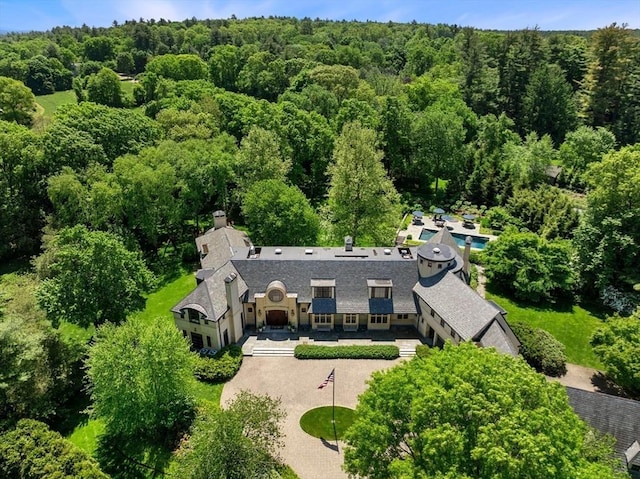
(278, 214)
(617, 344)
(33, 450)
(608, 238)
(241, 441)
(90, 277)
(530, 267)
(104, 88)
(363, 203)
(467, 412)
(141, 376)
(17, 102)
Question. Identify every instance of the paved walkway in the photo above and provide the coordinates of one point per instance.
(296, 382)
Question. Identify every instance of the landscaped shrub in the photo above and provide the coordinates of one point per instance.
(221, 367)
(308, 351)
(422, 350)
(541, 350)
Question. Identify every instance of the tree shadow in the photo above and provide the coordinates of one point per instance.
(606, 385)
(560, 306)
(131, 457)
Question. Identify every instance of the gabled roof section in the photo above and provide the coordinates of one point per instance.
(460, 306)
(210, 294)
(613, 415)
(216, 246)
(499, 336)
(444, 237)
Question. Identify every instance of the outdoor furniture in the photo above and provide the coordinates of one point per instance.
(468, 221)
(437, 217)
(417, 217)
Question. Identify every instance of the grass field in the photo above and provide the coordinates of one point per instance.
(572, 326)
(50, 103)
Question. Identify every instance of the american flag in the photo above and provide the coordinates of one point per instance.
(329, 379)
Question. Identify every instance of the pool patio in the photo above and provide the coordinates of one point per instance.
(455, 227)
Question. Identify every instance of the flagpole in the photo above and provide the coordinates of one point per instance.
(333, 406)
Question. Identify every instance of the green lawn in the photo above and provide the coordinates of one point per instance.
(85, 436)
(160, 302)
(318, 422)
(572, 327)
(50, 103)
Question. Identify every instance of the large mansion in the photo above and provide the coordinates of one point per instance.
(242, 286)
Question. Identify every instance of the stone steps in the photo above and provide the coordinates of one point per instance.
(272, 352)
(407, 352)
(289, 352)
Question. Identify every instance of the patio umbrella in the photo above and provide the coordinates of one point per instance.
(469, 217)
(418, 214)
(438, 211)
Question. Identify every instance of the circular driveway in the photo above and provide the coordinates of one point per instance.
(296, 383)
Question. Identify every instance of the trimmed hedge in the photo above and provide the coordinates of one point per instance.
(221, 367)
(309, 351)
(541, 350)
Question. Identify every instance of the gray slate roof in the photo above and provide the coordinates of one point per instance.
(210, 294)
(220, 244)
(608, 414)
(459, 305)
(350, 271)
(443, 236)
(496, 337)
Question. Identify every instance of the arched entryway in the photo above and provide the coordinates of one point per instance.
(277, 318)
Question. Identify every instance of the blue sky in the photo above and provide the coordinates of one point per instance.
(18, 15)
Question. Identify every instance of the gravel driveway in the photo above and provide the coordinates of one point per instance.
(296, 383)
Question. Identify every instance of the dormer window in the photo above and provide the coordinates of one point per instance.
(380, 288)
(194, 316)
(323, 288)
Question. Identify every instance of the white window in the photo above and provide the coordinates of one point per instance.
(351, 319)
(402, 316)
(380, 292)
(322, 318)
(379, 318)
(323, 292)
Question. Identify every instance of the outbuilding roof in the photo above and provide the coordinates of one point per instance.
(619, 417)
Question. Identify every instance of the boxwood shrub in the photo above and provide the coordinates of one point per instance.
(310, 351)
(221, 367)
(541, 350)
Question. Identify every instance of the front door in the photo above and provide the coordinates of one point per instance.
(277, 318)
(196, 340)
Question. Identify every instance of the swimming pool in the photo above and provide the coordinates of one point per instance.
(477, 242)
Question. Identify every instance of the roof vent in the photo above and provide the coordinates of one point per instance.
(436, 250)
(278, 251)
(308, 251)
(387, 251)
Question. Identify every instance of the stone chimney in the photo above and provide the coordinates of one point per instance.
(467, 251)
(234, 313)
(348, 243)
(219, 219)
